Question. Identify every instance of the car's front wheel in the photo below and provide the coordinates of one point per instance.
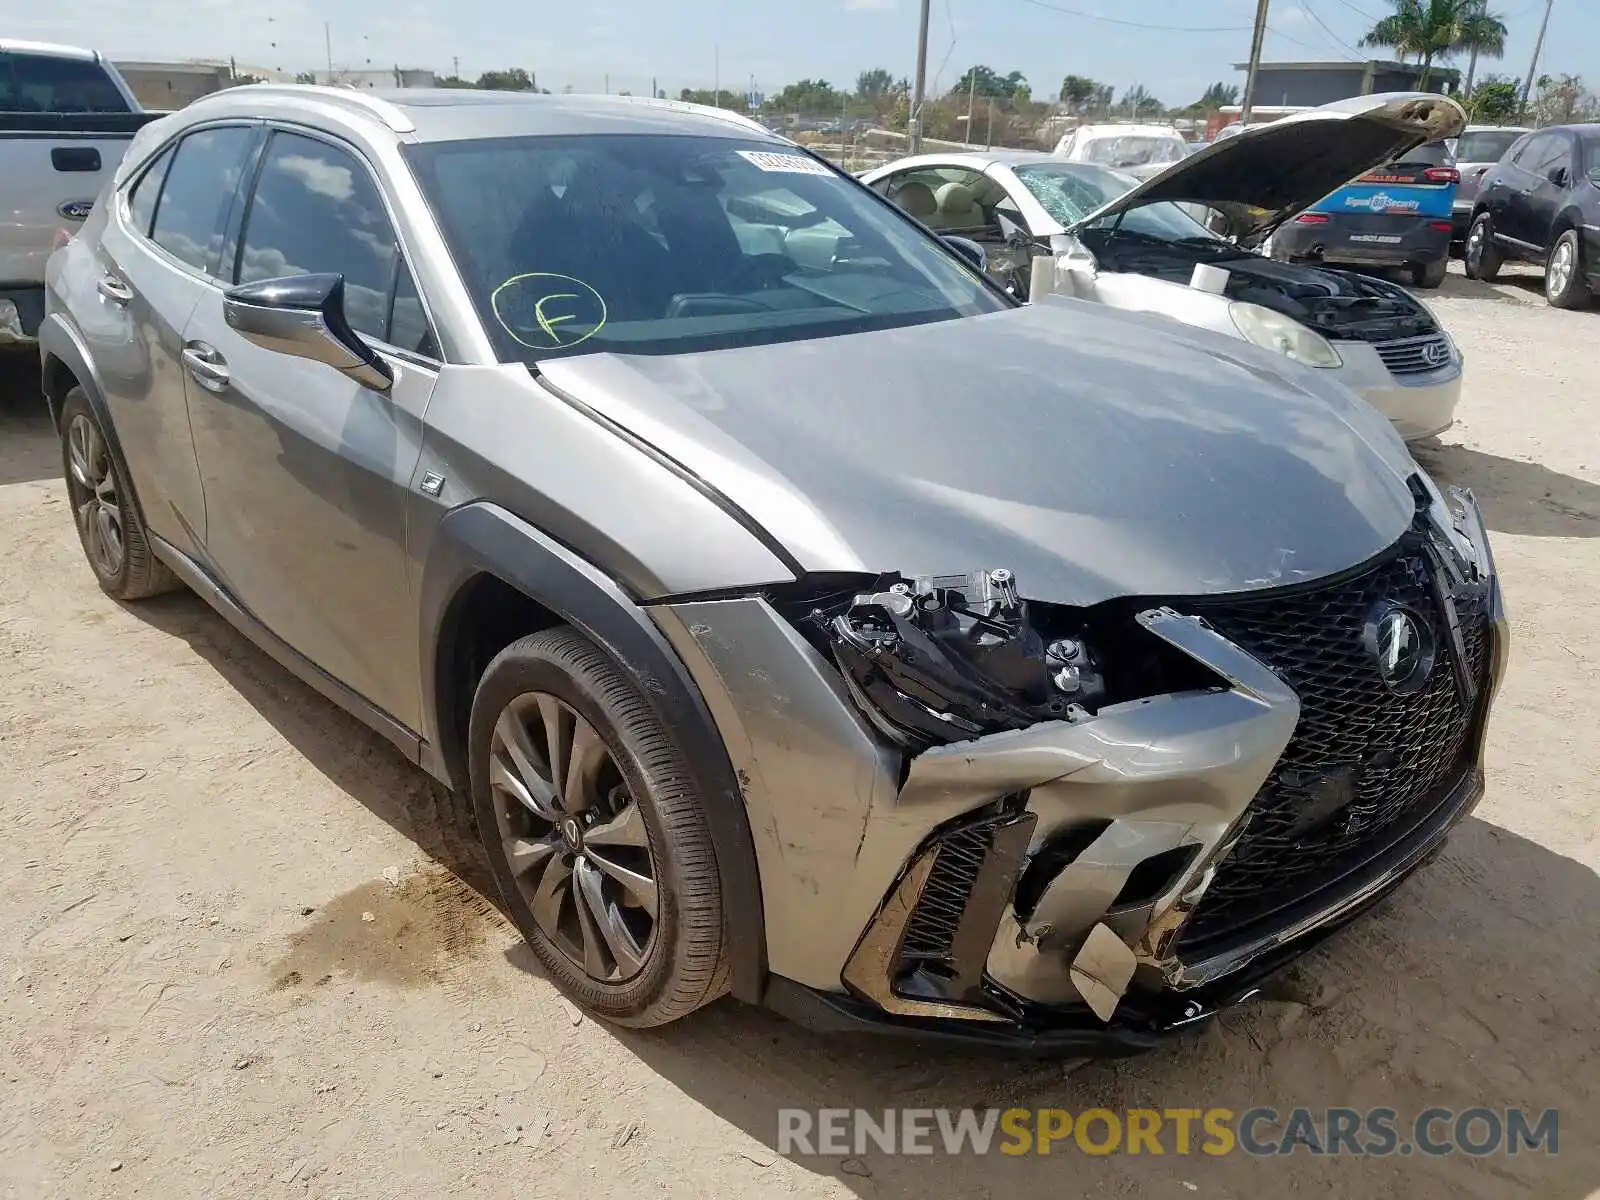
(110, 525)
(1564, 282)
(594, 832)
(1482, 259)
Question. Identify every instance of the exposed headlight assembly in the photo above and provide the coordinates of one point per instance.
(1274, 331)
(947, 658)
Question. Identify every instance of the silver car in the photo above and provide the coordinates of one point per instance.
(1477, 149)
(1148, 246)
(795, 613)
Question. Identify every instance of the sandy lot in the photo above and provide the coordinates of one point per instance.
(245, 952)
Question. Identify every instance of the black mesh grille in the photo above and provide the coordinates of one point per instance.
(931, 931)
(1398, 755)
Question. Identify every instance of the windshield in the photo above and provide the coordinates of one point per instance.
(1133, 151)
(1485, 145)
(643, 244)
(1071, 191)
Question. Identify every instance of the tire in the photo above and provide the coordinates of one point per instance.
(636, 791)
(111, 528)
(1565, 285)
(1430, 275)
(1481, 257)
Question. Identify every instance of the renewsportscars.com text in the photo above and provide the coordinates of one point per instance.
(1260, 1132)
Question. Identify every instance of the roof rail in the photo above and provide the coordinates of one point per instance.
(388, 114)
(704, 110)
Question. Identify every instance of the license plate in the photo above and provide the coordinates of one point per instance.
(1387, 239)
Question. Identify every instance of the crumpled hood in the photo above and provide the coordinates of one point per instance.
(1266, 173)
(1093, 453)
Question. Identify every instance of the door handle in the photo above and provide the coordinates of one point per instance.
(207, 366)
(114, 289)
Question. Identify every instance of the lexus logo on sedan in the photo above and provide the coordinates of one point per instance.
(1435, 353)
(1401, 643)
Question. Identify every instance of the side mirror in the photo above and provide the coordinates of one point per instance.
(1558, 176)
(303, 315)
(977, 257)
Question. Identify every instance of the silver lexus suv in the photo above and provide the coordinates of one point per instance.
(799, 616)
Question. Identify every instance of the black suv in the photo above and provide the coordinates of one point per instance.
(1541, 203)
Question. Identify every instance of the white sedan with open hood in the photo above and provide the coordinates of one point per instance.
(1041, 225)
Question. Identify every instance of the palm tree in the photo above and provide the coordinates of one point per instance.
(1481, 32)
(1428, 28)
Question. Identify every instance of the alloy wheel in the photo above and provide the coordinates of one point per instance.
(1559, 273)
(92, 488)
(573, 837)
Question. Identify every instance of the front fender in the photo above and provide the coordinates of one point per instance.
(483, 539)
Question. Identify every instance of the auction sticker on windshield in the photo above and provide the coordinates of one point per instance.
(784, 164)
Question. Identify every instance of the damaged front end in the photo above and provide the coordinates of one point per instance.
(974, 811)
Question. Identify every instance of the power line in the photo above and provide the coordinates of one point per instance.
(1305, 7)
(1360, 12)
(1089, 16)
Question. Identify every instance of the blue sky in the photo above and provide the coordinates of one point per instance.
(627, 43)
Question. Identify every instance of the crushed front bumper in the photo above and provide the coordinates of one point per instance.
(1030, 888)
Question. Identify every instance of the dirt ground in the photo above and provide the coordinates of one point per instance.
(245, 953)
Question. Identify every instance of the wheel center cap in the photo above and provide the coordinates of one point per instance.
(572, 833)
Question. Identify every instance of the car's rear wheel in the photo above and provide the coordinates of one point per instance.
(1482, 259)
(1564, 283)
(596, 837)
(1429, 275)
(110, 526)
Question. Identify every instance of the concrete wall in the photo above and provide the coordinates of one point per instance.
(165, 86)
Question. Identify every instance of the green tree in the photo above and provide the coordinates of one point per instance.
(514, 80)
(1218, 95)
(875, 84)
(1562, 100)
(455, 81)
(724, 98)
(305, 77)
(1078, 92)
(1140, 103)
(1427, 28)
(983, 81)
(1493, 100)
(808, 96)
(1481, 32)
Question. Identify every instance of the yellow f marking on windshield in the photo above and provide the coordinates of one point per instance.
(548, 323)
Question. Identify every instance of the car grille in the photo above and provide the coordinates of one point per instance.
(1398, 755)
(1410, 356)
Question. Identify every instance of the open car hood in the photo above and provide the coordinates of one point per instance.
(1265, 174)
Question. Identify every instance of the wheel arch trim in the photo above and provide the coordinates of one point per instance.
(479, 539)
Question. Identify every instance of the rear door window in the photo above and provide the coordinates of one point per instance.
(199, 192)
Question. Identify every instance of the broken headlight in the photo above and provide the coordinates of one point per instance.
(947, 658)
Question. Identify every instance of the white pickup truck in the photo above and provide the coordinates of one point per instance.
(66, 118)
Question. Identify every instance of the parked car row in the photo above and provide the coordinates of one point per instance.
(801, 614)
(1540, 203)
(1130, 245)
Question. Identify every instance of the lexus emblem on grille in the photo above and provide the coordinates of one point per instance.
(1402, 646)
(1435, 354)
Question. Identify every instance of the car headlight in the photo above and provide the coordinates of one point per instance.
(1274, 331)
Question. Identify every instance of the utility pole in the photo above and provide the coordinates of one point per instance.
(972, 93)
(716, 76)
(1255, 63)
(1538, 46)
(914, 129)
(988, 137)
(327, 42)
(456, 68)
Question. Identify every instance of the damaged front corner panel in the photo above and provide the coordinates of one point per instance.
(1102, 970)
